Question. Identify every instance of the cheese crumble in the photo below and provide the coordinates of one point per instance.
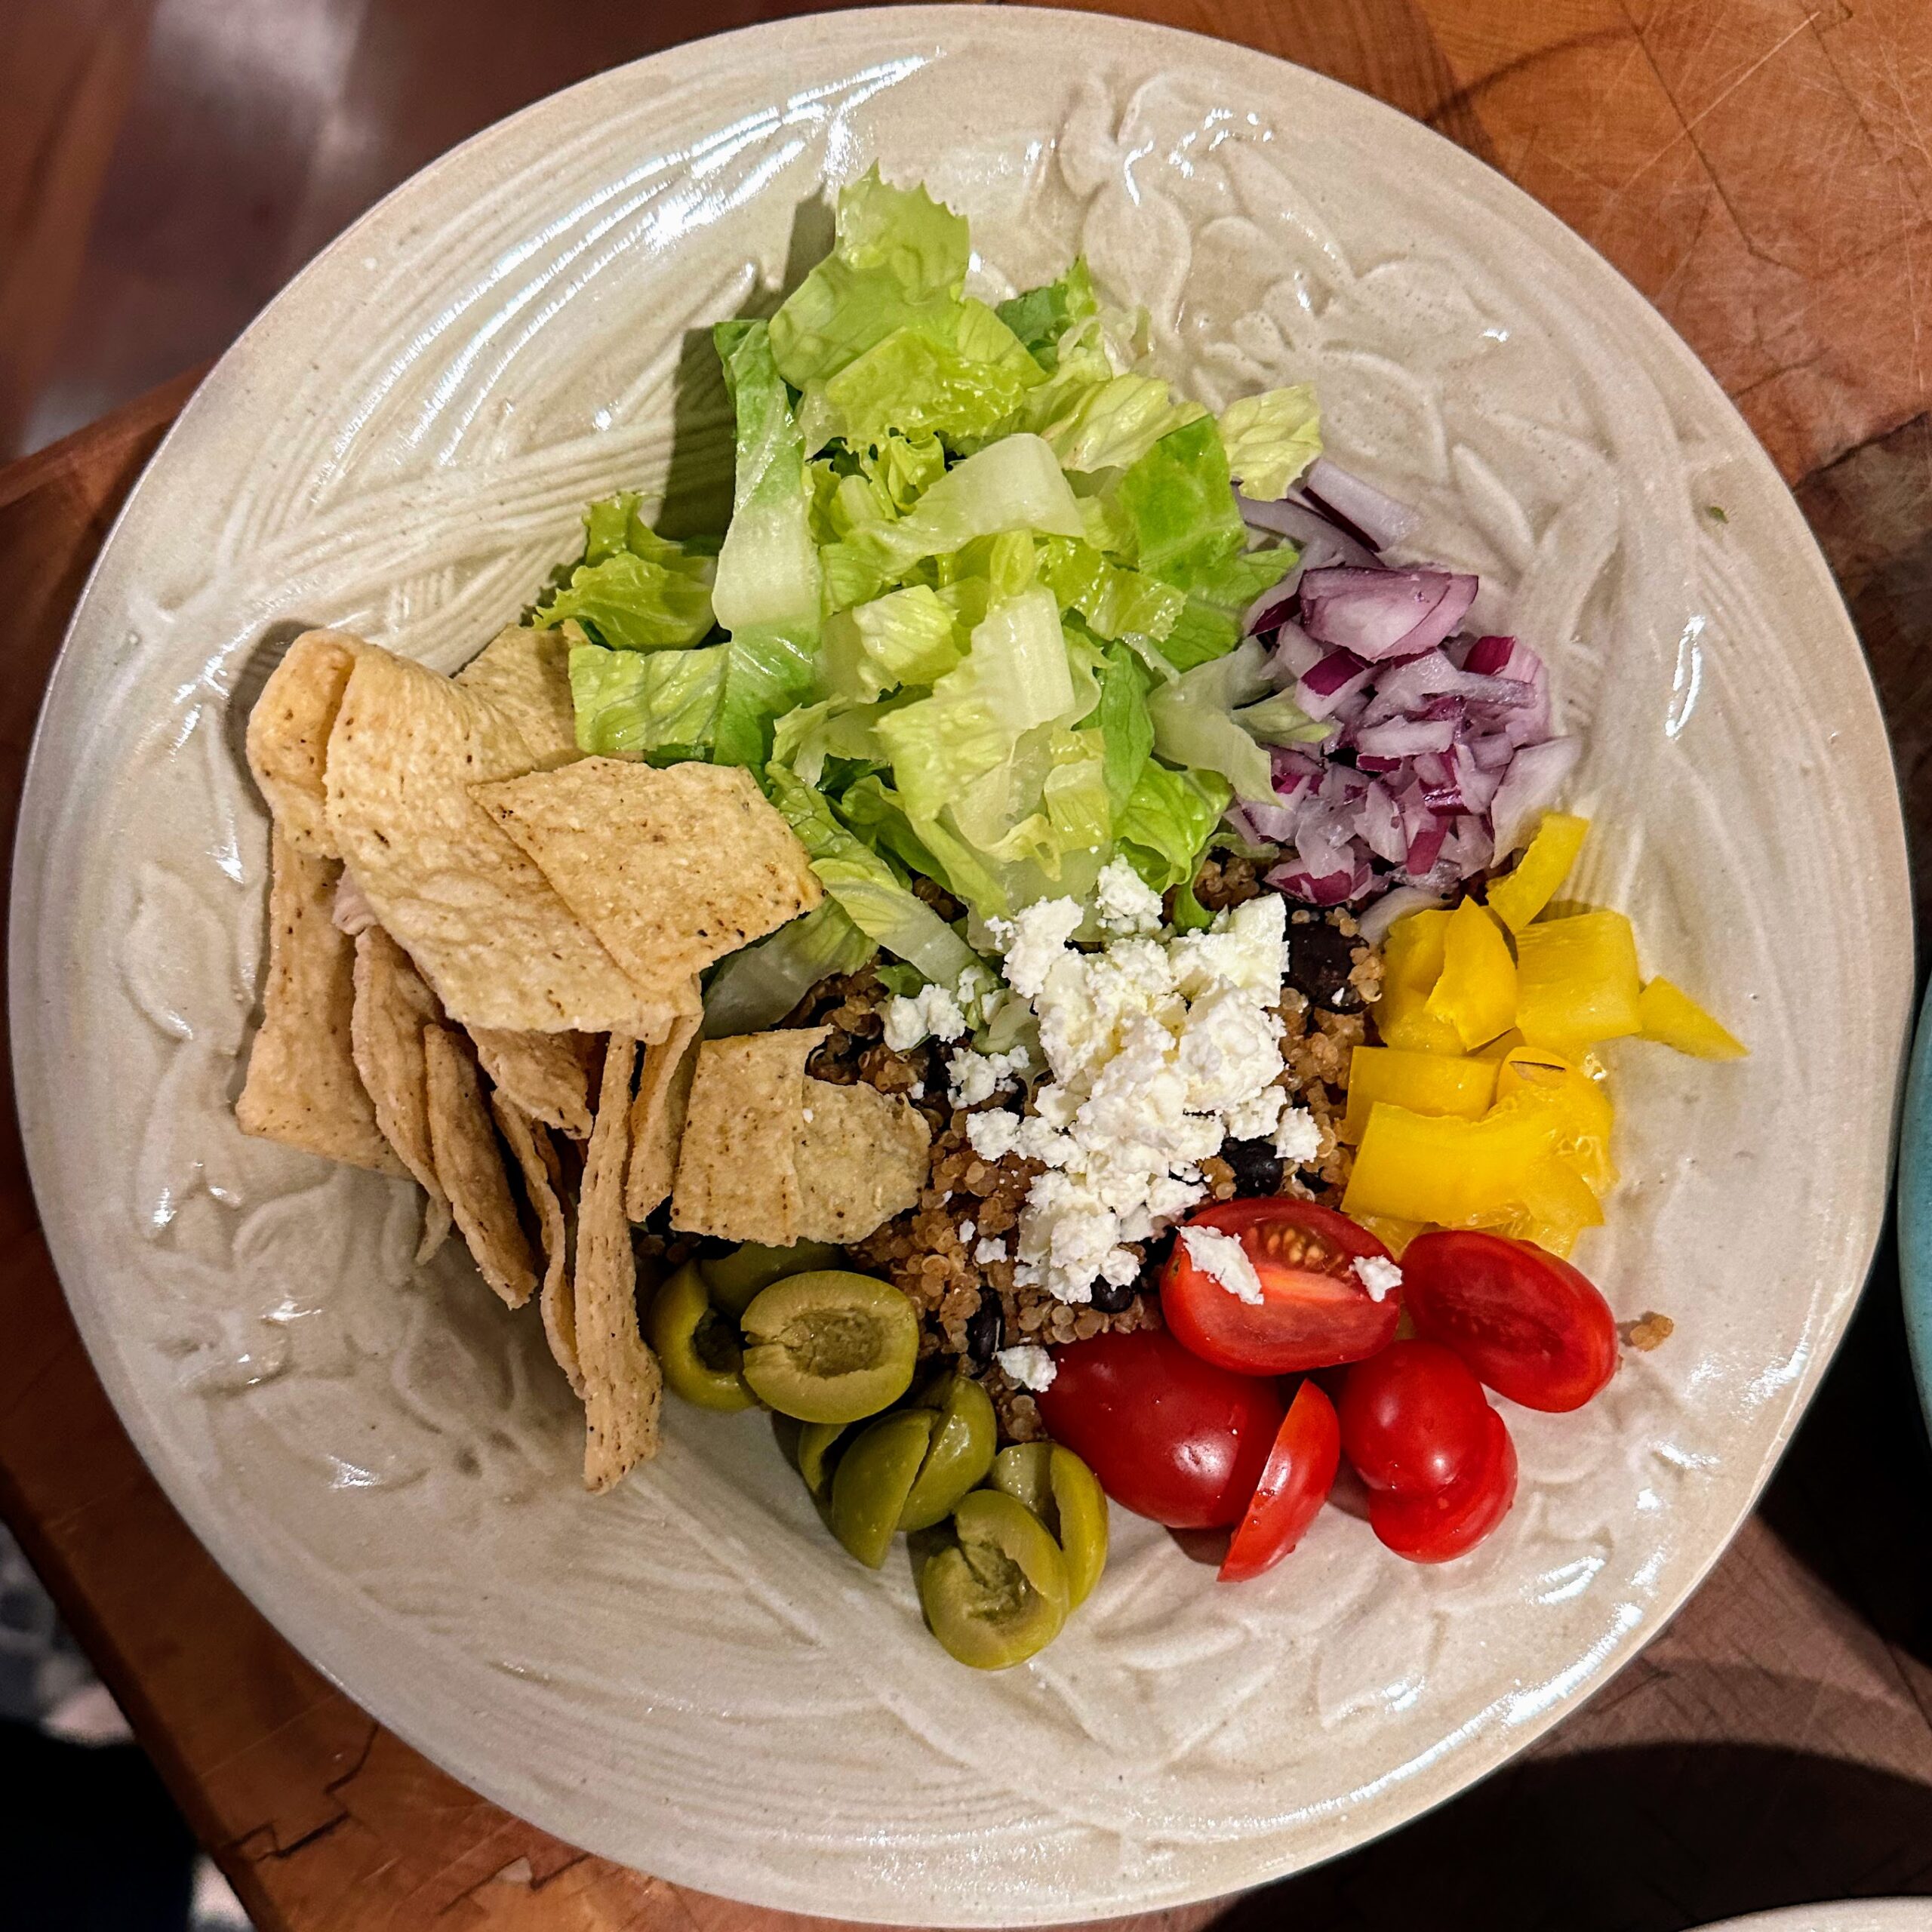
(1222, 1259)
(1381, 1278)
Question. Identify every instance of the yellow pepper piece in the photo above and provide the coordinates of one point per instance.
(1517, 900)
(1424, 1083)
(1535, 1077)
(1394, 1235)
(1456, 1173)
(1558, 1206)
(1501, 1047)
(1412, 962)
(1672, 1018)
(1475, 991)
(1577, 981)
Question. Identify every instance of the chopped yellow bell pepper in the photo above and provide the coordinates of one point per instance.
(1394, 1235)
(1577, 981)
(1412, 962)
(1501, 1047)
(1475, 991)
(1517, 900)
(1424, 1083)
(1535, 1077)
(1672, 1017)
(1456, 1173)
(1558, 1205)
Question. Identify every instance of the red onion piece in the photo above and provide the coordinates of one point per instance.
(1380, 518)
(1405, 737)
(1295, 653)
(1488, 655)
(1384, 613)
(1529, 788)
(1397, 904)
(1321, 542)
(1334, 888)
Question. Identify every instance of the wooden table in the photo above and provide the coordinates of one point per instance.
(1759, 168)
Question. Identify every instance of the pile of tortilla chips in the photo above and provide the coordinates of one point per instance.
(484, 953)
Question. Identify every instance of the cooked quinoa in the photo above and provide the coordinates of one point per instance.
(951, 1253)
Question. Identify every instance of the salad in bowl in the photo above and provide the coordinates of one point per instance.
(1035, 956)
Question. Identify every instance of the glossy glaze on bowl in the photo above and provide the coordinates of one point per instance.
(687, 1675)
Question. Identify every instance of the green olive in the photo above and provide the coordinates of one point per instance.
(998, 1594)
(1066, 1496)
(830, 1346)
(870, 1485)
(696, 1346)
(964, 1440)
(734, 1278)
(817, 1441)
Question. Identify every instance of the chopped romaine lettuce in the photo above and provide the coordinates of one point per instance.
(1112, 599)
(908, 637)
(1109, 425)
(1270, 438)
(1165, 825)
(634, 590)
(1039, 317)
(1210, 626)
(757, 986)
(1126, 730)
(657, 705)
(1196, 721)
(1177, 506)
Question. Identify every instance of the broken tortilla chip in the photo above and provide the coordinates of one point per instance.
(623, 1387)
(861, 1157)
(526, 675)
(288, 735)
(301, 1086)
(547, 1074)
(529, 1141)
(657, 1116)
(671, 868)
(771, 1155)
(469, 1165)
(477, 917)
(392, 1006)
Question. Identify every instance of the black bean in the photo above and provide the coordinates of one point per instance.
(983, 1327)
(1319, 960)
(1257, 1166)
(1110, 1297)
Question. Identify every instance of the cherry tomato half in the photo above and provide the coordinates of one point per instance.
(1434, 1527)
(1413, 1419)
(1300, 1473)
(1315, 1310)
(1169, 1436)
(1532, 1327)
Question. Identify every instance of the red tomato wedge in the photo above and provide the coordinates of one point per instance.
(1313, 1312)
(1169, 1436)
(1413, 1419)
(1532, 1327)
(1300, 1473)
(1438, 1525)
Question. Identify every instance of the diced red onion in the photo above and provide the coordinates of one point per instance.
(1380, 518)
(1335, 888)
(1321, 705)
(1291, 769)
(1263, 824)
(1397, 904)
(1321, 542)
(1382, 614)
(1487, 655)
(1295, 653)
(1425, 845)
(1529, 788)
(1406, 737)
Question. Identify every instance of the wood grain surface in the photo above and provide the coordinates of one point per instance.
(1757, 167)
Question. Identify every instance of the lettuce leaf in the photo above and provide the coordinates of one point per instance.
(634, 590)
(1126, 730)
(959, 377)
(911, 636)
(1176, 507)
(758, 986)
(1197, 721)
(1210, 625)
(1111, 597)
(1165, 825)
(865, 887)
(1040, 317)
(1270, 438)
(658, 705)
(1108, 425)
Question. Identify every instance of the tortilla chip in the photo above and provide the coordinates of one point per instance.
(738, 1173)
(671, 868)
(469, 1165)
(657, 1116)
(480, 922)
(623, 1386)
(547, 1074)
(288, 735)
(302, 1085)
(526, 675)
(392, 1006)
(529, 1141)
(862, 1157)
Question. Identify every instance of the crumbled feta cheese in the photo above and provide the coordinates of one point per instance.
(992, 1247)
(1222, 1259)
(991, 1136)
(1298, 1139)
(931, 1011)
(977, 1076)
(1152, 1047)
(1256, 1119)
(1029, 1365)
(1124, 901)
(1034, 940)
(967, 1229)
(1381, 1277)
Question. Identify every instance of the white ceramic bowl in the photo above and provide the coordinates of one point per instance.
(687, 1676)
